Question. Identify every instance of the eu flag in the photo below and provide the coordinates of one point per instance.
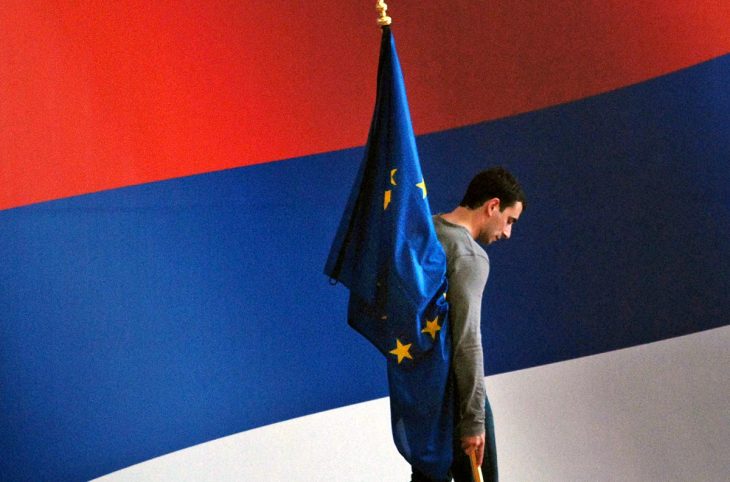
(387, 253)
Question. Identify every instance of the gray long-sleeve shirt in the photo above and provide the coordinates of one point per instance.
(467, 269)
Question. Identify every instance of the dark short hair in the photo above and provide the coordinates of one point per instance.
(494, 182)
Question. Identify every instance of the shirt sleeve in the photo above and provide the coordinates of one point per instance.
(466, 285)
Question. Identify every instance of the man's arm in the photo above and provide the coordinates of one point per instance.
(468, 276)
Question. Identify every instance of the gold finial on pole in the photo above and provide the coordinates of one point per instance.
(383, 18)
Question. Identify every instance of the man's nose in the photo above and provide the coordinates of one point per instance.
(507, 231)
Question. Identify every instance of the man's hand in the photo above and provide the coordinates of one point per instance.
(474, 443)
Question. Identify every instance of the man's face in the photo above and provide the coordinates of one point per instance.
(498, 224)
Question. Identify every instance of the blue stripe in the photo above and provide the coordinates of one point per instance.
(142, 320)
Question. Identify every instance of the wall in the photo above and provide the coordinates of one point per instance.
(160, 283)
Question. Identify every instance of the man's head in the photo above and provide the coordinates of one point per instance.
(497, 200)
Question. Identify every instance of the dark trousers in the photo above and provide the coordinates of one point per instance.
(461, 466)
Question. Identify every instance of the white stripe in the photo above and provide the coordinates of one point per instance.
(653, 412)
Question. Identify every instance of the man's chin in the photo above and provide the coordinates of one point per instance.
(486, 241)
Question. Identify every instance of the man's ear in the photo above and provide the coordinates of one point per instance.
(491, 206)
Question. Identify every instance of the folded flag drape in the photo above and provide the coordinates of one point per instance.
(387, 254)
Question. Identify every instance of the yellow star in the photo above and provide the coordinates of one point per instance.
(386, 201)
(432, 327)
(392, 177)
(401, 351)
(422, 185)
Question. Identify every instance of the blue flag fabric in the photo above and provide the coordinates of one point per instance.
(387, 253)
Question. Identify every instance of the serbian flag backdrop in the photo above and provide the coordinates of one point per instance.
(160, 276)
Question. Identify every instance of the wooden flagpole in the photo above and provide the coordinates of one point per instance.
(476, 470)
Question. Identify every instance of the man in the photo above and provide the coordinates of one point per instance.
(493, 202)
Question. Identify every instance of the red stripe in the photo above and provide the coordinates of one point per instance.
(108, 94)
